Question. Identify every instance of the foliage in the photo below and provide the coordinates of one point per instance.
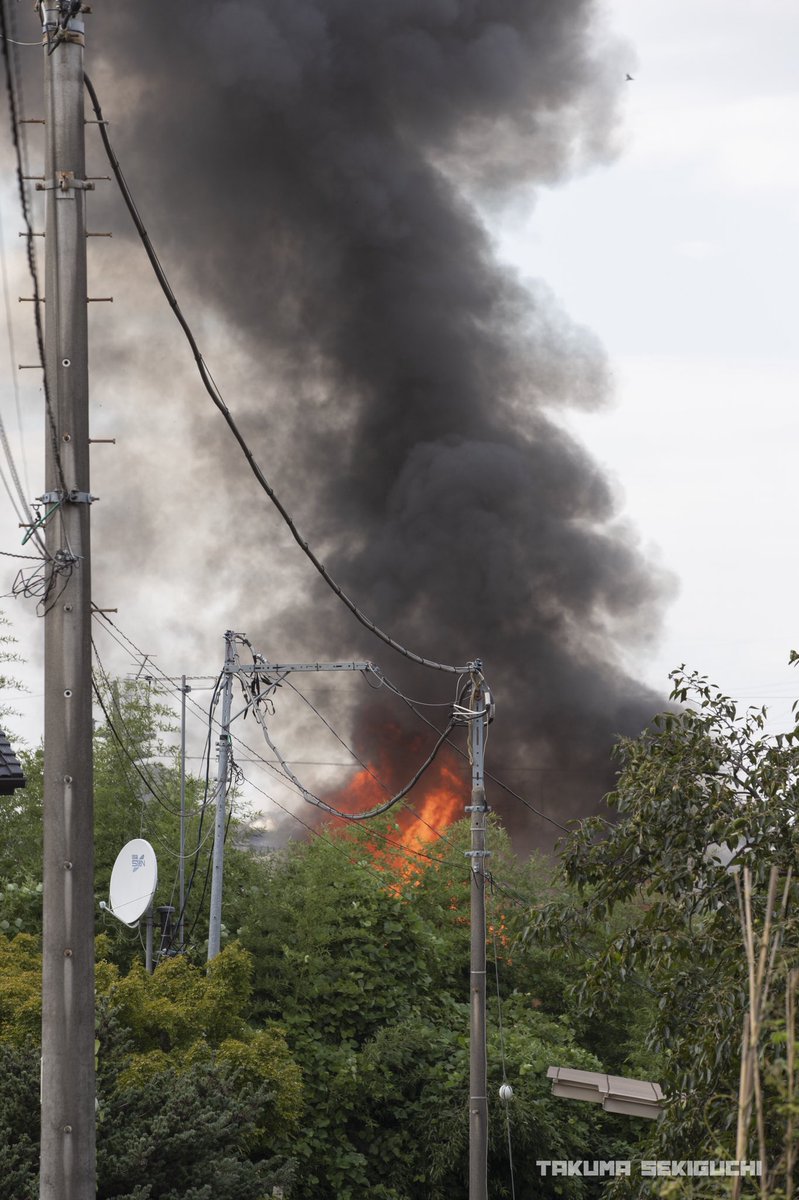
(20, 989)
(188, 1092)
(8, 682)
(369, 973)
(706, 790)
(19, 1120)
(183, 1135)
(337, 1030)
(183, 1016)
(136, 794)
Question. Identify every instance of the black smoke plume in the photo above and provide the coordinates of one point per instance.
(314, 171)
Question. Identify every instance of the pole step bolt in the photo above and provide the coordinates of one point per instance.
(66, 437)
(67, 865)
(67, 779)
(68, 693)
(67, 953)
(66, 362)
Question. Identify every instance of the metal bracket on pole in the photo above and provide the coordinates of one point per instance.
(71, 497)
(65, 183)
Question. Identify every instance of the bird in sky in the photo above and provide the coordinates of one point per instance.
(630, 79)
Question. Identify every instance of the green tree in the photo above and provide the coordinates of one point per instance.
(19, 1121)
(9, 683)
(136, 794)
(704, 793)
(192, 1099)
(367, 964)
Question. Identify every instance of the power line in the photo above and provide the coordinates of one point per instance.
(124, 748)
(378, 810)
(408, 808)
(136, 652)
(412, 706)
(218, 400)
(258, 758)
(12, 356)
(317, 833)
(14, 42)
(11, 76)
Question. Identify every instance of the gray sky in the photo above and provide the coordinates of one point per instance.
(683, 257)
(680, 255)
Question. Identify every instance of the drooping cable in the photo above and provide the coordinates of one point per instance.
(408, 807)
(218, 400)
(317, 833)
(464, 754)
(15, 42)
(22, 516)
(203, 808)
(379, 809)
(136, 653)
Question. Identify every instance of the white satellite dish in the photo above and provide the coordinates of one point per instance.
(133, 882)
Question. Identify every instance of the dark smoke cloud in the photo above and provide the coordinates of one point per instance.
(311, 171)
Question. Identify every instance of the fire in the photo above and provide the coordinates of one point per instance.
(435, 802)
(441, 803)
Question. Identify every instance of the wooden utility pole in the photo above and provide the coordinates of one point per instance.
(68, 1084)
(478, 1071)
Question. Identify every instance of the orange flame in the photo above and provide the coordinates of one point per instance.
(434, 804)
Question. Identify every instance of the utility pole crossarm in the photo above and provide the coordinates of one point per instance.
(267, 668)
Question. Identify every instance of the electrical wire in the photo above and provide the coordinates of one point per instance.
(259, 759)
(130, 648)
(22, 517)
(174, 688)
(408, 807)
(125, 750)
(383, 681)
(538, 812)
(26, 557)
(11, 76)
(14, 42)
(252, 700)
(217, 398)
(12, 361)
(20, 503)
(379, 809)
(318, 834)
(200, 843)
(134, 650)
(502, 1055)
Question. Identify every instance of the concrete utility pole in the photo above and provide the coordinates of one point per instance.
(184, 688)
(268, 673)
(222, 762)
(68, 1084)
(478, 1073)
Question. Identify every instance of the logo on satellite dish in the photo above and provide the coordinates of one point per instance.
(137, 861)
